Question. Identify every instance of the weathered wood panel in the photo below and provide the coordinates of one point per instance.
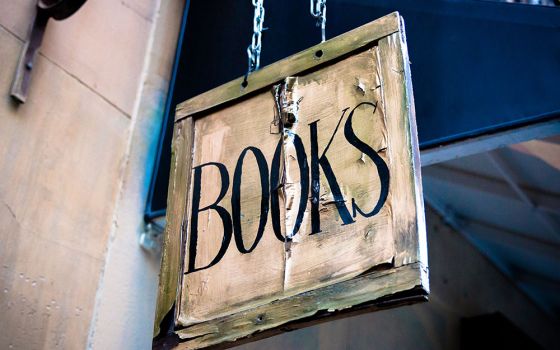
(324, 52)
(215, 292)
(338, 297)
(398, 101)
(341, 250)
(307, 190)
(181, 161)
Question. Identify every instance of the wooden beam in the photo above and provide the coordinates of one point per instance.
(489, 142)
(170, 274)
(544, 201)
(509, 176)
(545, 150)
(532, 278)
(295, 64)
(328, 300)
(471, 229)
(487, 231)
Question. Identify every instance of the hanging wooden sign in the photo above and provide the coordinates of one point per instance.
(297, 196)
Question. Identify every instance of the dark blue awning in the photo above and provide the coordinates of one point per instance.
(477, 66)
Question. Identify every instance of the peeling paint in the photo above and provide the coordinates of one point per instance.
(360, 86)
(363, 158)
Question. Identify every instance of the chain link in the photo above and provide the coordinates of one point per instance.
(319, 11)
(254, 50)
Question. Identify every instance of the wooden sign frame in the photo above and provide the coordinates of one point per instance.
(402, 280)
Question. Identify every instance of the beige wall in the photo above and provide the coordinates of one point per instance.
(82, 142)
(126, 297)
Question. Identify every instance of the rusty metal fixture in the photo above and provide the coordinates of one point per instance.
(57, 9)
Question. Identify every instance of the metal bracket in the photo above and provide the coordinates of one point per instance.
(22, 79)
(57, 9)
(151, 238)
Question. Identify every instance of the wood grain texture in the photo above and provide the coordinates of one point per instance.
(410, 232)
(331, 300)
(295, 64)
(363, 94)
(170, 274)
(231, 286)
(339, 251)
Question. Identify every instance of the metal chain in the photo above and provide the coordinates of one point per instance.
(319, 11)
(254, 50)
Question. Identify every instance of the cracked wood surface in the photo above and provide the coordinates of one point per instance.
(333, 300)
(331, 49)
(181, 160)
(238, 280)
(257, 291)
(338, 252)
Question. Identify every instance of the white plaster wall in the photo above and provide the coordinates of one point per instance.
(126, 297)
